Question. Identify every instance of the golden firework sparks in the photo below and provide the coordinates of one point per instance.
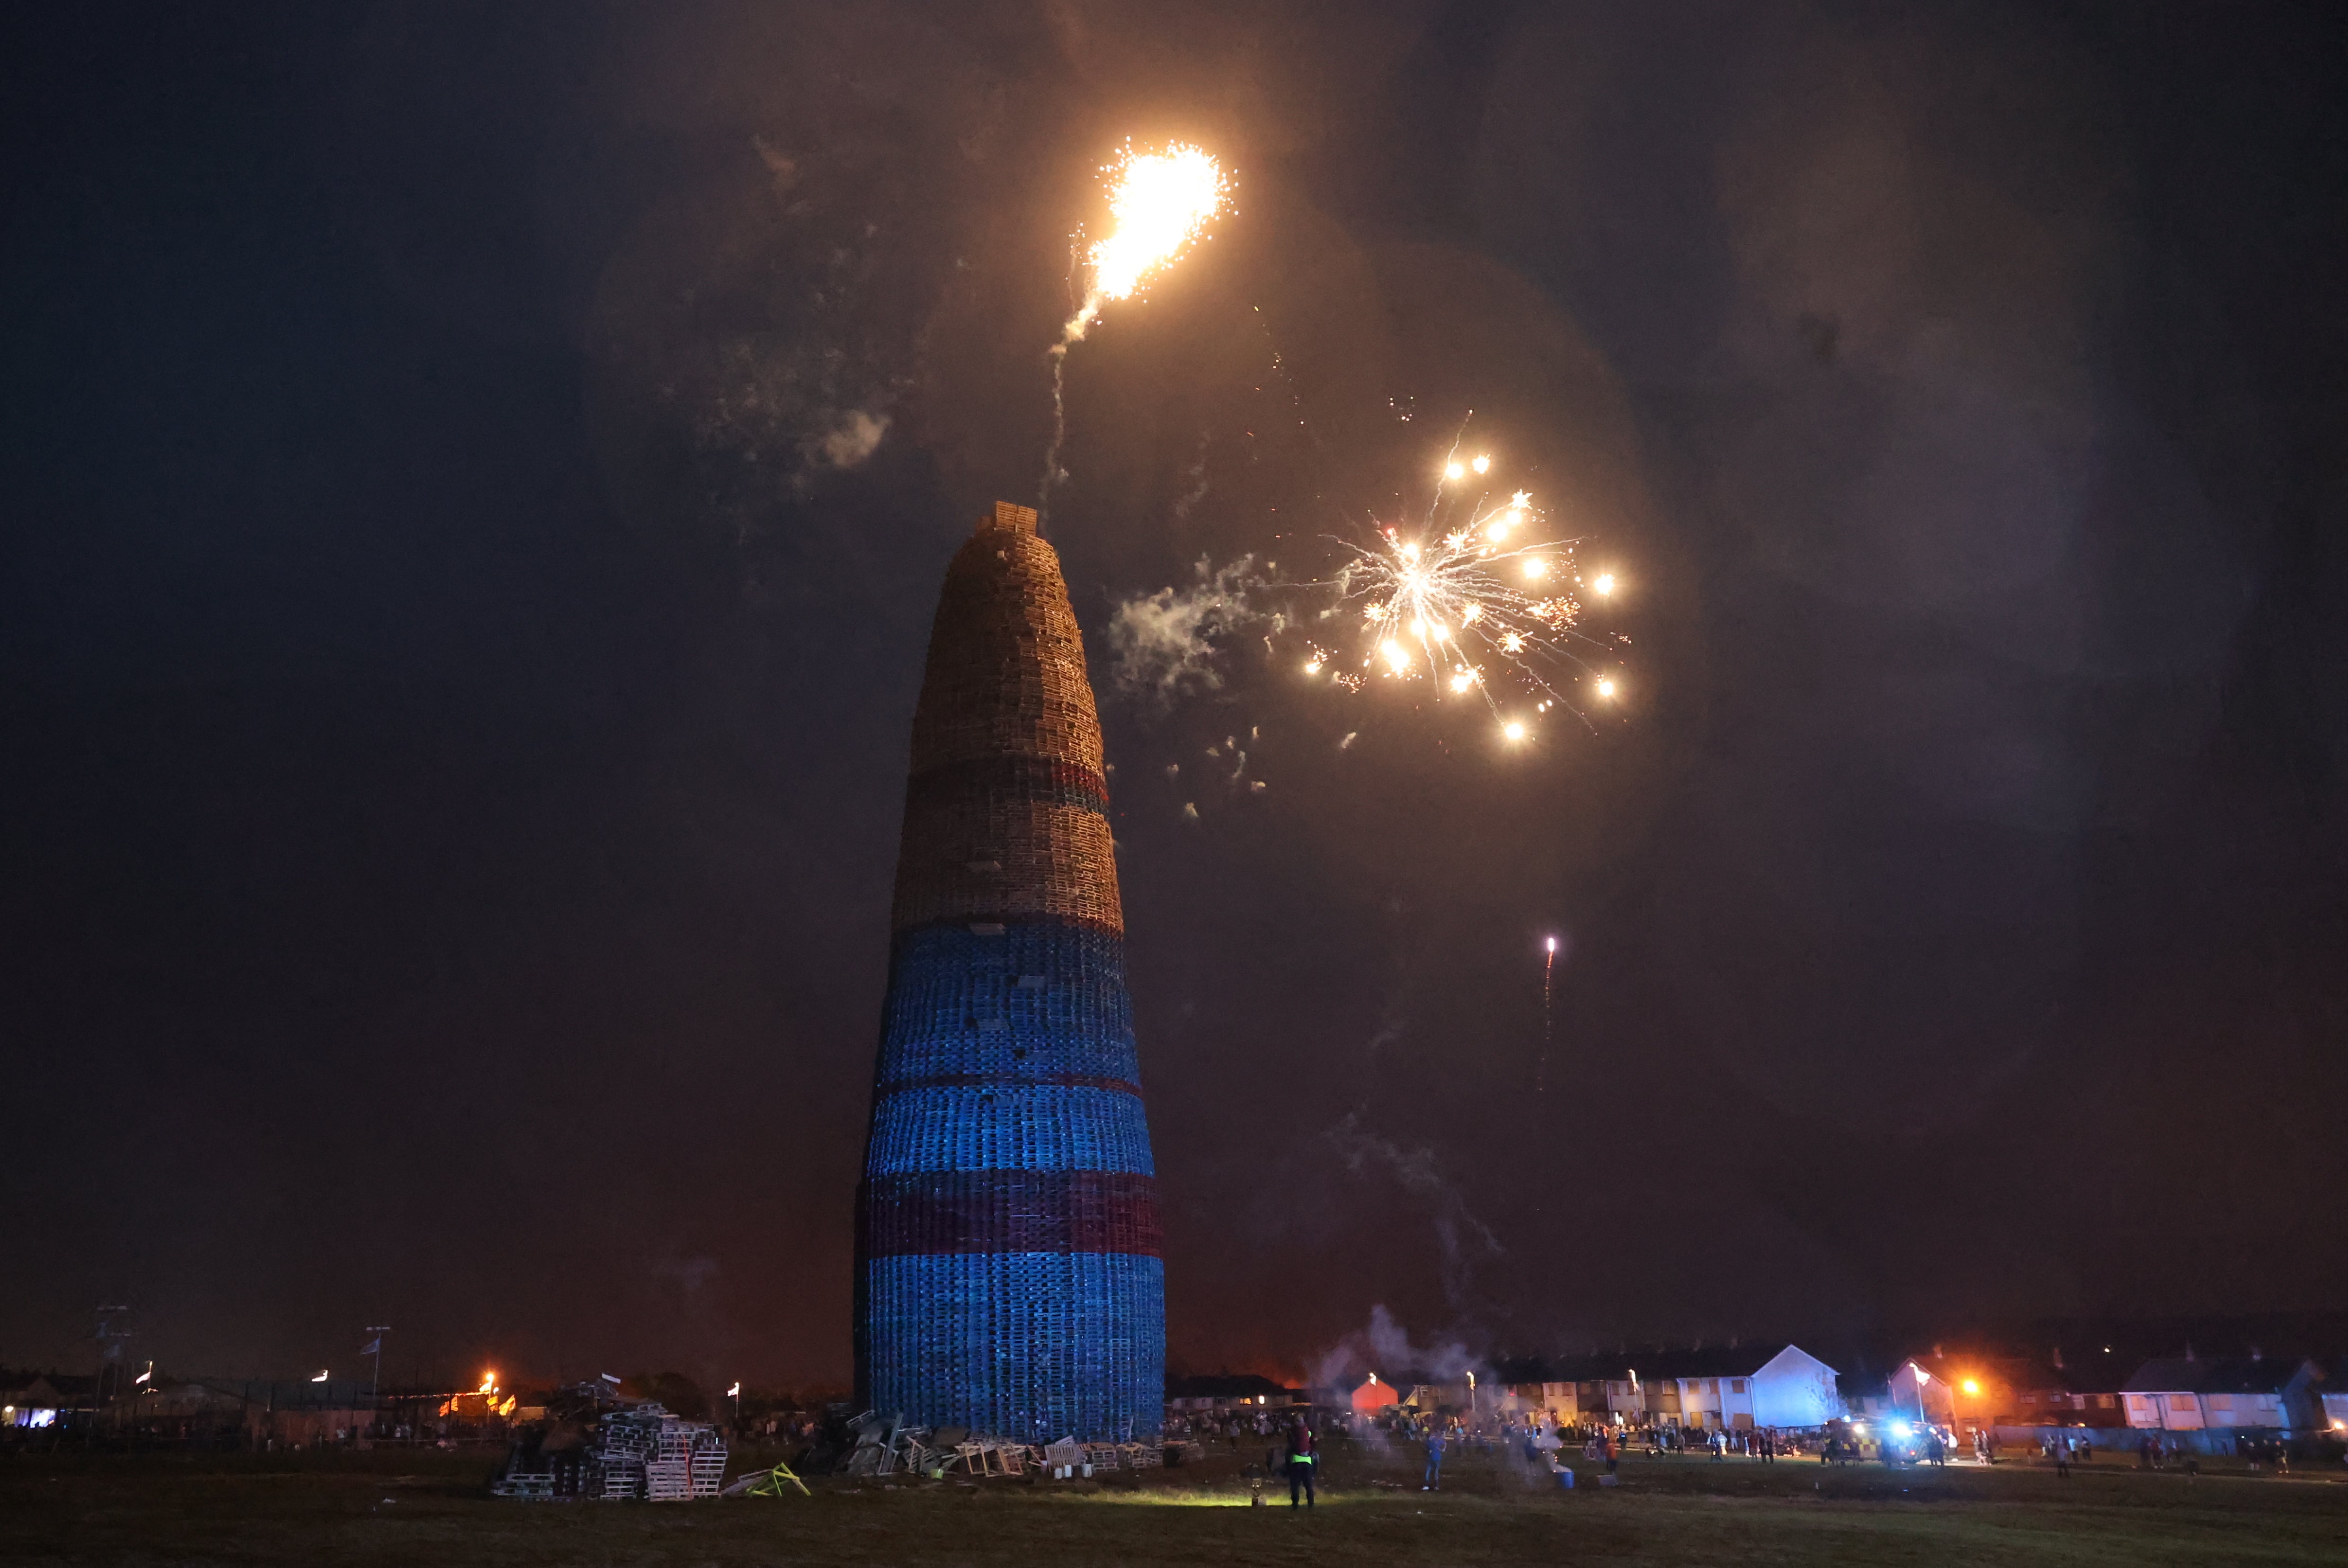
(1436, 602)
(1158, 202)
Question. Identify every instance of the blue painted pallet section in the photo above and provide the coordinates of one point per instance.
(1042, 995)
(1031, 1345)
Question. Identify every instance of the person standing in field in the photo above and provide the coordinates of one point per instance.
(1434, 1481)
(1302, 1460)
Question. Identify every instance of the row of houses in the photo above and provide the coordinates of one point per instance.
(2187, 1402)
(1730, 1388)
(260, 1412)
(2222, 1397)
(1782, 1386)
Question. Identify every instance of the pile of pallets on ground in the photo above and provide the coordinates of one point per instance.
(1069, 1459)
(534, 1473)
(886, 1446)
(640, 1451)
(643, 1451)
(992, 1456)
(532, 1480)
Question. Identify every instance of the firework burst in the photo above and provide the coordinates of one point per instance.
(1471, 601)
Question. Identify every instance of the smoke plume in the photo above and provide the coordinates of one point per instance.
(1165, 642)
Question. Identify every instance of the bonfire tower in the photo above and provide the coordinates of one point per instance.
(1008, 1270)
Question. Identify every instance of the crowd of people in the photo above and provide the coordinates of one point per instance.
(1442, 1434)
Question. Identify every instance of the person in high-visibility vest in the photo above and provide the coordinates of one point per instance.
(1302, 1460)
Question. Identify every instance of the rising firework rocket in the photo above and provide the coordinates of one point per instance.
(1549, 973)
(1158, 203)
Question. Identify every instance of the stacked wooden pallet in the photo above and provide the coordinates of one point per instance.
(708, 1465)
(520, 1483)
(645, 1451)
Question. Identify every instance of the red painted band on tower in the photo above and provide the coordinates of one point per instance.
(934, 1212)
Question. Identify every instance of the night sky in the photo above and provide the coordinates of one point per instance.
(459, 636)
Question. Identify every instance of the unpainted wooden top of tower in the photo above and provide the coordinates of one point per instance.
(1016, 518)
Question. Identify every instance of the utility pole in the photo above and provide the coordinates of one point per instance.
(110, 1354)
(374, 1384)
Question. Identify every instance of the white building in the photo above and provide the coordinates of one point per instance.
(1790, 1389)
(2228, 1396)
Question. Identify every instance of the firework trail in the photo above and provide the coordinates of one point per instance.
(1158, 202)
(1549, 973)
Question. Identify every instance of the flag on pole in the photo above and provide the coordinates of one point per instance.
(734, 1392)
(373, 1346)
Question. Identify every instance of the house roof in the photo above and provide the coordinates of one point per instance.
(2225, 1375)
(57, 1385)
(2019, 1372)
(1563, 1369)
(1651, 1366)
(1711, 1362)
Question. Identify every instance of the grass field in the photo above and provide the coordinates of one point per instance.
(392, 1508)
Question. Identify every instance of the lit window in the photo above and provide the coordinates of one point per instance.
(1737, 1385)
(2180, 1401)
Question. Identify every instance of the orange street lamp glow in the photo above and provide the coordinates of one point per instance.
(1971, 1387)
